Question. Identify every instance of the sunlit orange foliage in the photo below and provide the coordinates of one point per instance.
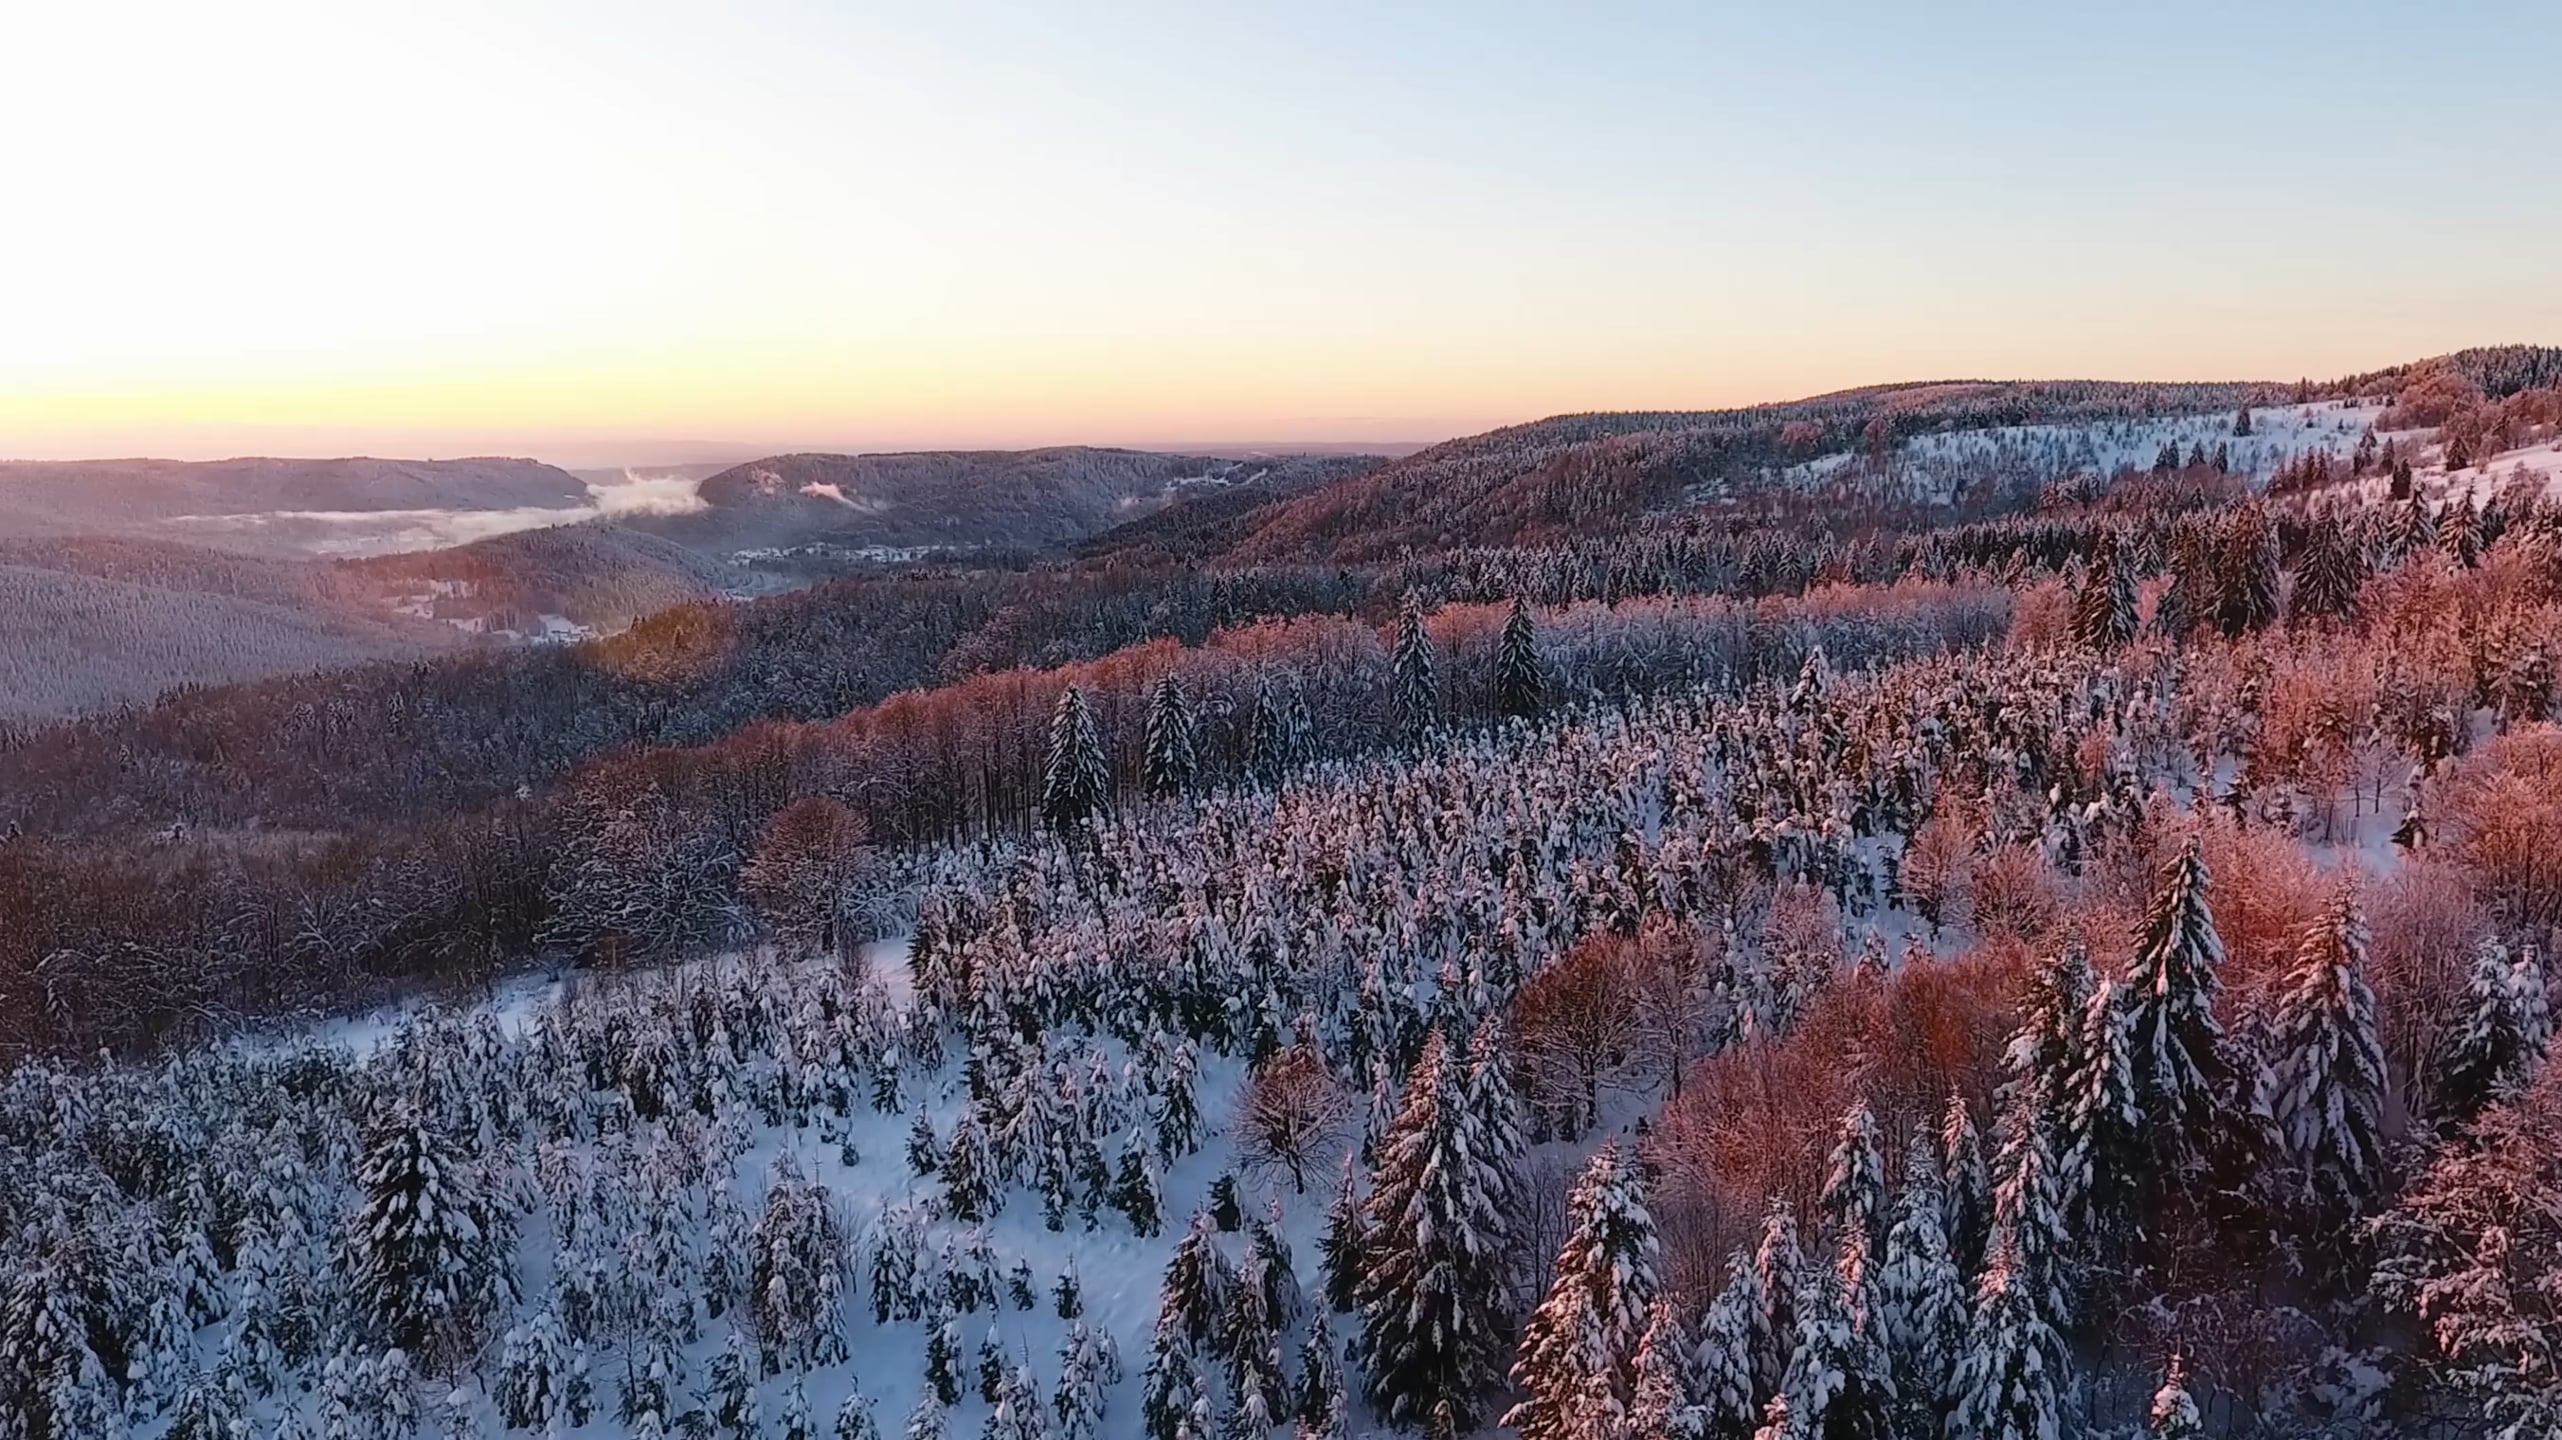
(2042, 618)
(2500, 811)
(2017, 894)
(2266, 891)
(1573, 1022)
(2428, 399)
(1758, 1119)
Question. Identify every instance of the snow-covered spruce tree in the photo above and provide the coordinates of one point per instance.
(1339, 1247)
(1430, 1299)
(533, 1371)
(1725, 1367)
(927, 1421)
(2174, 1413)
(1576, 1368)
(426, 1248)
(2027, 1207)
(1921, 1304)
(52, 1383)
(2331, 573)
(1837, 1386)
(2248, 573)
(1088, 1367)
(1172, 762)
(1854, 1194)
(2330, 1066)
(1197, 1282)
(1257, 1395)
(972, 1190)
(798, 1258)
(1076, 784)
(1660, 1406)
(796, 1422)
(1968, 1201)
(730, 1389)
(2102, 1161)
(2104, 611)
(1776, 1263)
(2181, 1074)
(1172, 1386)
(854, 1418)
(1320, 1407)
(1415, 683)
(943, 1356)
(2007, 1383)
(1521, 687)
(2488, 1059)
(1135, 1192)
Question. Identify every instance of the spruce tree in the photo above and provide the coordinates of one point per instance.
(1576, 1369)
(854, 1420)
(2247, 573)
(1076, 786)
(1969, 1207)
(1777, 1262)
(1726, 1367)
(2028, 1211)
(1836, 1387)
(2104, 609)
(1520, 686)
(2180, 1073)
(1430, 1298)
(1172, 1386)
(2488, 1060)
(2007, 1383)
(1339, 1247)
(2102, 1159)
(1921, 1296)
(1660, 1406)
(2333, 570)
(1415, 687)
(1251, 1335)
(427, 1247)
(1854, 1193)
(1172, 762)
(2330, 1097)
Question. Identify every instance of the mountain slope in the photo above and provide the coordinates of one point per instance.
(71, 643)
(1594, 473)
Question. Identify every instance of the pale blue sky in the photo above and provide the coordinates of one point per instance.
(845, 224)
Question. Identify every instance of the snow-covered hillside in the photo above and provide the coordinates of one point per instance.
(1933, 469)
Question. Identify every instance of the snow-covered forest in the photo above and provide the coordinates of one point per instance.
(2072, 961)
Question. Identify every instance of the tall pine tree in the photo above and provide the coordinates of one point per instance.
(1077, 785)
(1521, 688)
(2330, 1096)
(2181, 1075)
(1430, 1299)
(1172, 761)
(1415, 684)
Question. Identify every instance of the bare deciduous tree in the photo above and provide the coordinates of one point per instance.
(1291, 1115)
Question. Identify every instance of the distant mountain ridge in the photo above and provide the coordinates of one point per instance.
(74, 497)
(953, 501)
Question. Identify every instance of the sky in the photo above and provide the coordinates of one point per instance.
(618, 230)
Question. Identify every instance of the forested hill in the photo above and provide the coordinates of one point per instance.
(1580, 475)
(1576, 474)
